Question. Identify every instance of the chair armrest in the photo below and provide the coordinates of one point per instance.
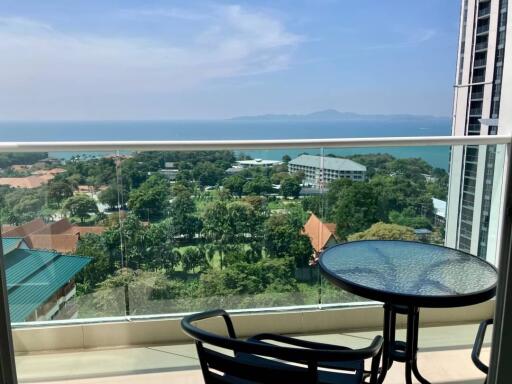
(296, 342)
(364, 353)
(477, 347)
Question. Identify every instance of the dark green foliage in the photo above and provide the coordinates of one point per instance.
(290, 187)
(315, 204)
(409, 218)
(182, 214)
(235, 184)
(355, 207)
(275, 275)
(81, 206)
(8, 159)
(101, 266)
(283, 238)
(151, 200)
(111, 196)
(258, 186)
(58, 191)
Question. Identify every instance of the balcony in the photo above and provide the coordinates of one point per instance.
(480, 63)
(445, 356)
(482, 29)
(145, 265)
(484, 11)
(479, 47)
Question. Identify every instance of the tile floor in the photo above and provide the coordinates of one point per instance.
(444, 358)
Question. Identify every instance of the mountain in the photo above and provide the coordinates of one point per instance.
(334, 115)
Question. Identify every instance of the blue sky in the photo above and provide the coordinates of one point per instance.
(127, 59)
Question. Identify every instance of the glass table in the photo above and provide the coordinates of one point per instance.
(405, 276)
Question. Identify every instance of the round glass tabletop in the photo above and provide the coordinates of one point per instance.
(409, 273)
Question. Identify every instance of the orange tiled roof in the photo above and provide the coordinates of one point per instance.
(28, 182)
(64, 243)
(319, 232)
(25, 229)
(53, 171)
(61, 236)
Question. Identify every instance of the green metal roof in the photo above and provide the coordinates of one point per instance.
(9, 244)
(33, 276)
(21, 263)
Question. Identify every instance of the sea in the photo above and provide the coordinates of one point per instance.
(437, 156)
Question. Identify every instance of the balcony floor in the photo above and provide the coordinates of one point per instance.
(445, 357)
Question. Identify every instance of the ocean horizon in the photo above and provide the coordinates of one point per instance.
(241, 130)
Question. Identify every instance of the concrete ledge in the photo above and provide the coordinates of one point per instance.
(166, 331)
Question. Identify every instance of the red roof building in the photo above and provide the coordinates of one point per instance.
(61, 236)
(322, 235)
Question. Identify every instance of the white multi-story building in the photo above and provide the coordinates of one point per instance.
(320, 170)
(476, 171)
(258, 163)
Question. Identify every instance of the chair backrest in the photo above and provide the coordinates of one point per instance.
(249, 362)
(219, 367)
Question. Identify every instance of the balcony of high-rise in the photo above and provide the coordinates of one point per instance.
(172, 165)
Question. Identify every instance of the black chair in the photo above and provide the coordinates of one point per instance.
(477, 347)
(260, 360)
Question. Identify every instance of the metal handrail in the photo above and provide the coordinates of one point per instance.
(194, 145)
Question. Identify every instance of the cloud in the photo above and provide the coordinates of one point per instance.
(47, 72)
(173, 13)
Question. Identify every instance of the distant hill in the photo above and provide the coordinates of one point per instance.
(334, 115)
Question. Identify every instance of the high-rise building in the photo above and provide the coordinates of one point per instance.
(476, 170)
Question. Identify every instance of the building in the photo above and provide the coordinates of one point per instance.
(39, 282)
(322, 235)
(258, 163)
(474, 191)
(320, 170)
(439, 211)
(60, 236)
(35, 180)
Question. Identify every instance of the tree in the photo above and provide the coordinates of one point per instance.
(136, 292)
(383, 231)
(235, 184)
(81, 206)
(207, 174)
(58, 191)
(290, 187)
(216, 226)
(356, 206)
(314, 204)
(286, 159)
(181, 212)
(249, 278)
(284, 238)
(258, 186)
(110, 196)
(244, 223)
(100, 268)
(192, 258)
(151, 200)
(409, 218)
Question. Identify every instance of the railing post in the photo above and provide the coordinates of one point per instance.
(7, 364)
(499, 370)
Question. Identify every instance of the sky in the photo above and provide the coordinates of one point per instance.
(156, 59)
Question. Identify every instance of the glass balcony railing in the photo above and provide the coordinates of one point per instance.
(164, 229)
(481, 46)
(480, 63)
(482, 29)
(484, 11)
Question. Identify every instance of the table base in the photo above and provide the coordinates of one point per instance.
(395, 350)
